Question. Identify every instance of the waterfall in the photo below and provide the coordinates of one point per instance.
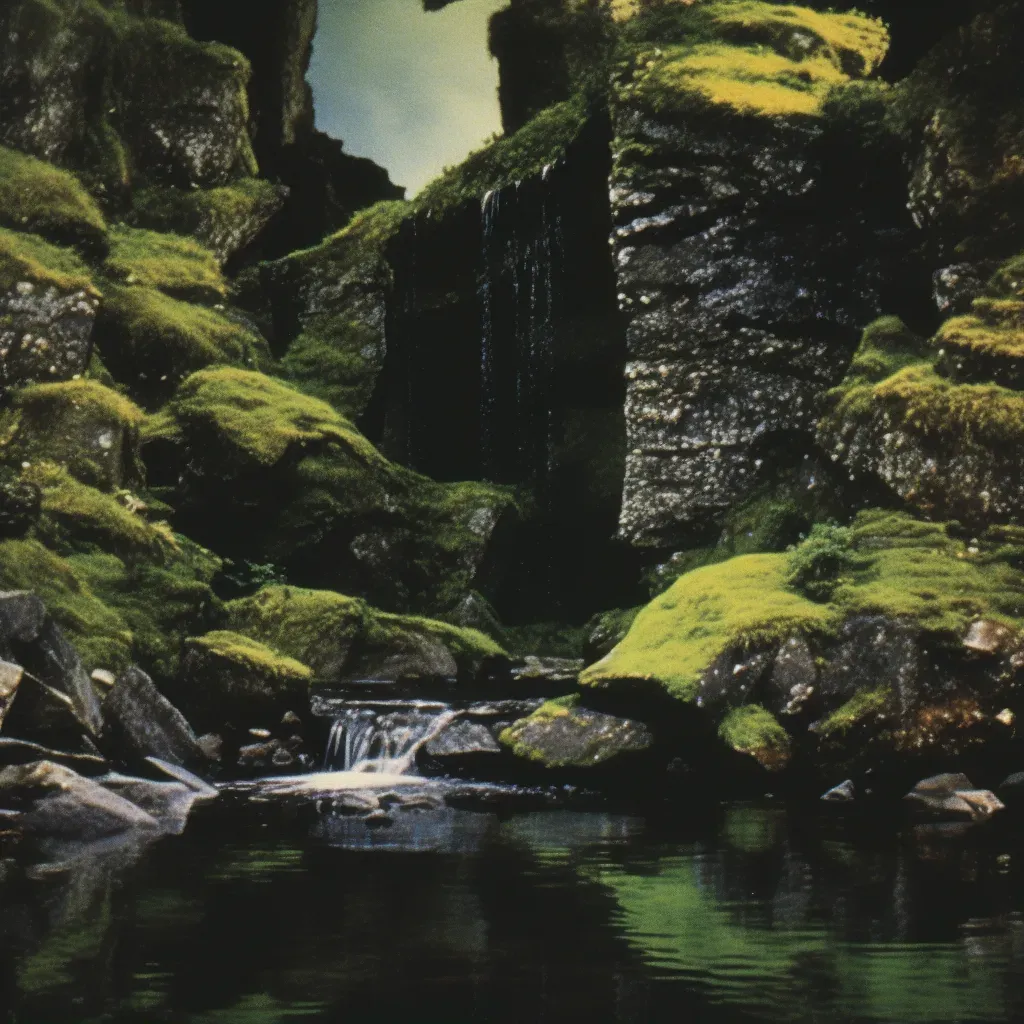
(383, 741)
(517, 291)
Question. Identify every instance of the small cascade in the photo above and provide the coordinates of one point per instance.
(384, 741)
(518, 297)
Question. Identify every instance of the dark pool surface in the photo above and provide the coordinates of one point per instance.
(748, 912)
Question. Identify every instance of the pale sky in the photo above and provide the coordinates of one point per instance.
(414, 91)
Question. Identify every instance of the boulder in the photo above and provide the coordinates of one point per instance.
(844, 793)
(54, 802)
(561, 734)
(461, 739)
(168, 803)
(142, 723)
(10, 679)
(18, 751)
(953, 796)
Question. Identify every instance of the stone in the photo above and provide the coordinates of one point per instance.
(845, 792)
(53, 801)
(22, 616)
(560, 734)
(282, 758)
(290, 718)
(953, 795)
(143, 723)
(103, 677)
(988, 637)
(57, 664)
(462, 738)
(546, 670)
(168, 803)
(202, 789)
(19, 751)
(10, 679)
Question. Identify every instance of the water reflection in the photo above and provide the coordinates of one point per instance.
(459, 915)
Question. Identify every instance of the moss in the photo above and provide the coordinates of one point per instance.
(864, 704)
(740, 603)
(151, 341)
(336, 360)
(251, 655)
(30, 258)
(77, 517)
(541, 142)
(886, 346)
(256, 418)
(817, 565)
(314, 627)
(748, 56)
(319, 628)
(755, 731)
(907, 568)
(224, 219)
(79, 424)
(42, 199)
(174, 265)
(102, 637)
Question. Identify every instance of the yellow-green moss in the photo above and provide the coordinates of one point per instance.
(151, 341)
(886, 346)
(77, 517)
(79, 424)
(220, 218)
(170, 263)
(748, 56)
(865, 703)
(29, 258)
(251, 655)
(101, 636)
(318, 628)
(709, 611)
(257, 417)
(907, 568)
(37, 197)
(753, 730)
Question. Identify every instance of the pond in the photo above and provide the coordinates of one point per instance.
(412, 90)
(742, 912)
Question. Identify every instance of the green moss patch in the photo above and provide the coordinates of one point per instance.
(151, 341)
(251, 655)
(739, 603)
(170, 263)
(750, 57)
(42, 199)
(29, 258)
(753, 730)
(223, 219)
(320, 628)
(80, 424)
(256, 419)
(862, 706)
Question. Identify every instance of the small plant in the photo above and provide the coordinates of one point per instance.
(816, 566)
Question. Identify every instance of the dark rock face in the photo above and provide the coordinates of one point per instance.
(143, 723)
(746, 268)
(45, 333)
(967, 187)
(168, 803)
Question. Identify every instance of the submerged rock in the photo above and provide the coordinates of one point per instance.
(844, 793)
(953, 796)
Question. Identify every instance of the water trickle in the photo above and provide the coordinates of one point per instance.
(383, 741)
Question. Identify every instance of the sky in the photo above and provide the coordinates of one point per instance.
(414, 91)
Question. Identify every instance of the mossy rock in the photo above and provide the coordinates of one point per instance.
(90, 429)
(755, 731)
(863, 706)
(179, 267)
(225, 220)
(707, 613)
(48, 306)
(562, 734)
(750, 58)
(949, 447)
(39, 198)
(151, 341)
(315, 496)
(342, 638)
(227, 677)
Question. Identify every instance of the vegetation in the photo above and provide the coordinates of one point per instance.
(752, 730)
(30, 258)
(250, 655)
(816, 566)
(864, 704)
(740, 603)
(39, 198)
(170, 263)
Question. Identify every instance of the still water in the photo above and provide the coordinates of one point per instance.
(449, 916)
